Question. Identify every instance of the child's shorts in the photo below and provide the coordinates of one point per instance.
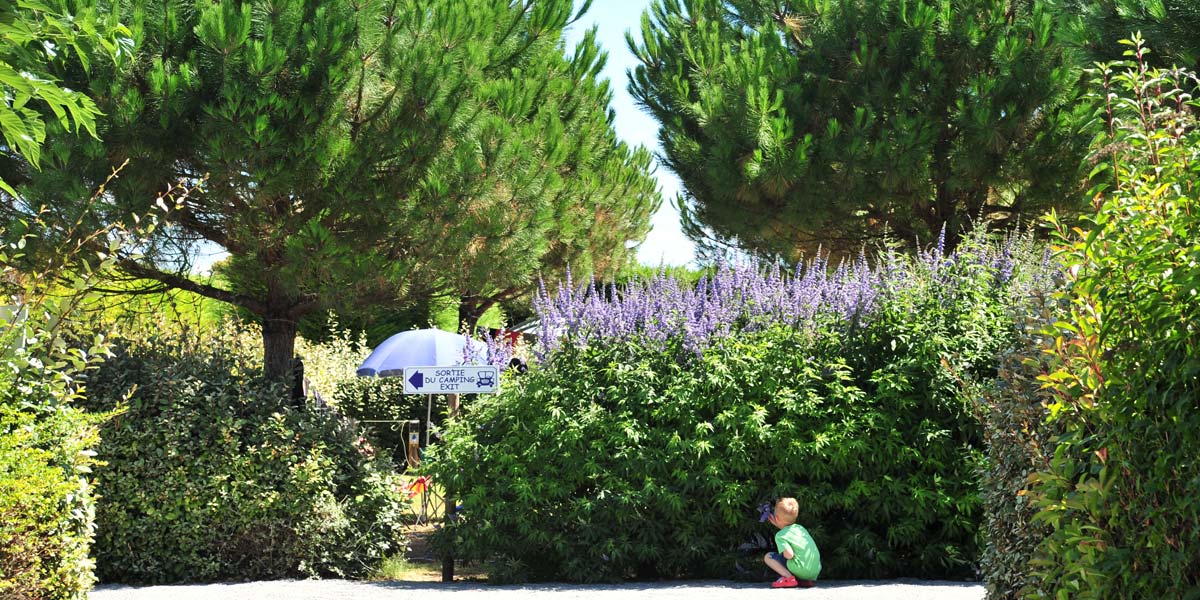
(775, 556)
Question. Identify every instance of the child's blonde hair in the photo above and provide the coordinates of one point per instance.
(786, 511)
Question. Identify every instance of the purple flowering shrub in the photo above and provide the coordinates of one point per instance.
(748, 297)
(662, 415)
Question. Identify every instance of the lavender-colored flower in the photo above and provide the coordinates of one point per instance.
(750, 296)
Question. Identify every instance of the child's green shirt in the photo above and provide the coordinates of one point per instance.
(806, 560)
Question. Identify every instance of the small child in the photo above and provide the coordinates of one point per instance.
(798, 562)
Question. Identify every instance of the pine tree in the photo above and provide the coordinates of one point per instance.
(353, 151)
(832, 122)
(1172, 27)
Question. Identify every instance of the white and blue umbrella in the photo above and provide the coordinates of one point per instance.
(421, 348)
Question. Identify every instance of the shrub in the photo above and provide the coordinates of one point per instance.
(46, 441)
(1120, 493)
(213, 475)
(1019, 440)
(665, 414)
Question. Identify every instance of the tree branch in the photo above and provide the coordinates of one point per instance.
(178, 281)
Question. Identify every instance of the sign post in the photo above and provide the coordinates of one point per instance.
(459, 379)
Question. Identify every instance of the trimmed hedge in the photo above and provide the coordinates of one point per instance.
(213, 475)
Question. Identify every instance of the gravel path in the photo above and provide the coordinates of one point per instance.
(334, 589)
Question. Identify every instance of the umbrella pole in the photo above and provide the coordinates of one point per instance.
(428, 419)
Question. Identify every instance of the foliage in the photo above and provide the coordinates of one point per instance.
(35, 38)
(803, 123)
(648, 434)
(45, 502)
(128, 304)
(1120, 493)
(45, 457)
(46, 441)
(1172, 25)
(1020, 440)
(213, 475)
(373, 153)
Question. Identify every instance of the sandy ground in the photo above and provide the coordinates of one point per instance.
(334, 589)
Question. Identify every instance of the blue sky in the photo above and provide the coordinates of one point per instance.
(666, 243)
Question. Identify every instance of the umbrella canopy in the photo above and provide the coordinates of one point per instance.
(420, 348)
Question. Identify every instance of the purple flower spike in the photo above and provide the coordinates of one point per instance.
(658, 311)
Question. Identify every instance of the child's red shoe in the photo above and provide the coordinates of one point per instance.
(805, 583)
(785, 582)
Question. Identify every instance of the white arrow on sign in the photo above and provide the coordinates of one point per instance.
(462, 379)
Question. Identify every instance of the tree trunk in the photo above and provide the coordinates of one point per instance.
(279, 345)
(471, 309)
(947, 205)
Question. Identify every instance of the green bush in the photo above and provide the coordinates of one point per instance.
(212, 475)
(1020, 440)
(46, 441)
(633, 457)
(1122, 492)
(45, 502)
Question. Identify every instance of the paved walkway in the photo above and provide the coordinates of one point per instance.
(334, 589)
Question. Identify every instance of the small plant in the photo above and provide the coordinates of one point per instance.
(392, 568)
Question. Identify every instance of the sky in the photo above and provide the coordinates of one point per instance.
(665, 244)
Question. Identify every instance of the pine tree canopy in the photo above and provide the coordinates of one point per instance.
(1170, 27)
(362, 151)
(800, 123)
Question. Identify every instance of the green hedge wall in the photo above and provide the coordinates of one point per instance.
(212, 476)
(1121, 494)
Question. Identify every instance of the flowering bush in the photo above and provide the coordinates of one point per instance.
(746, 297)
(661, 415)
